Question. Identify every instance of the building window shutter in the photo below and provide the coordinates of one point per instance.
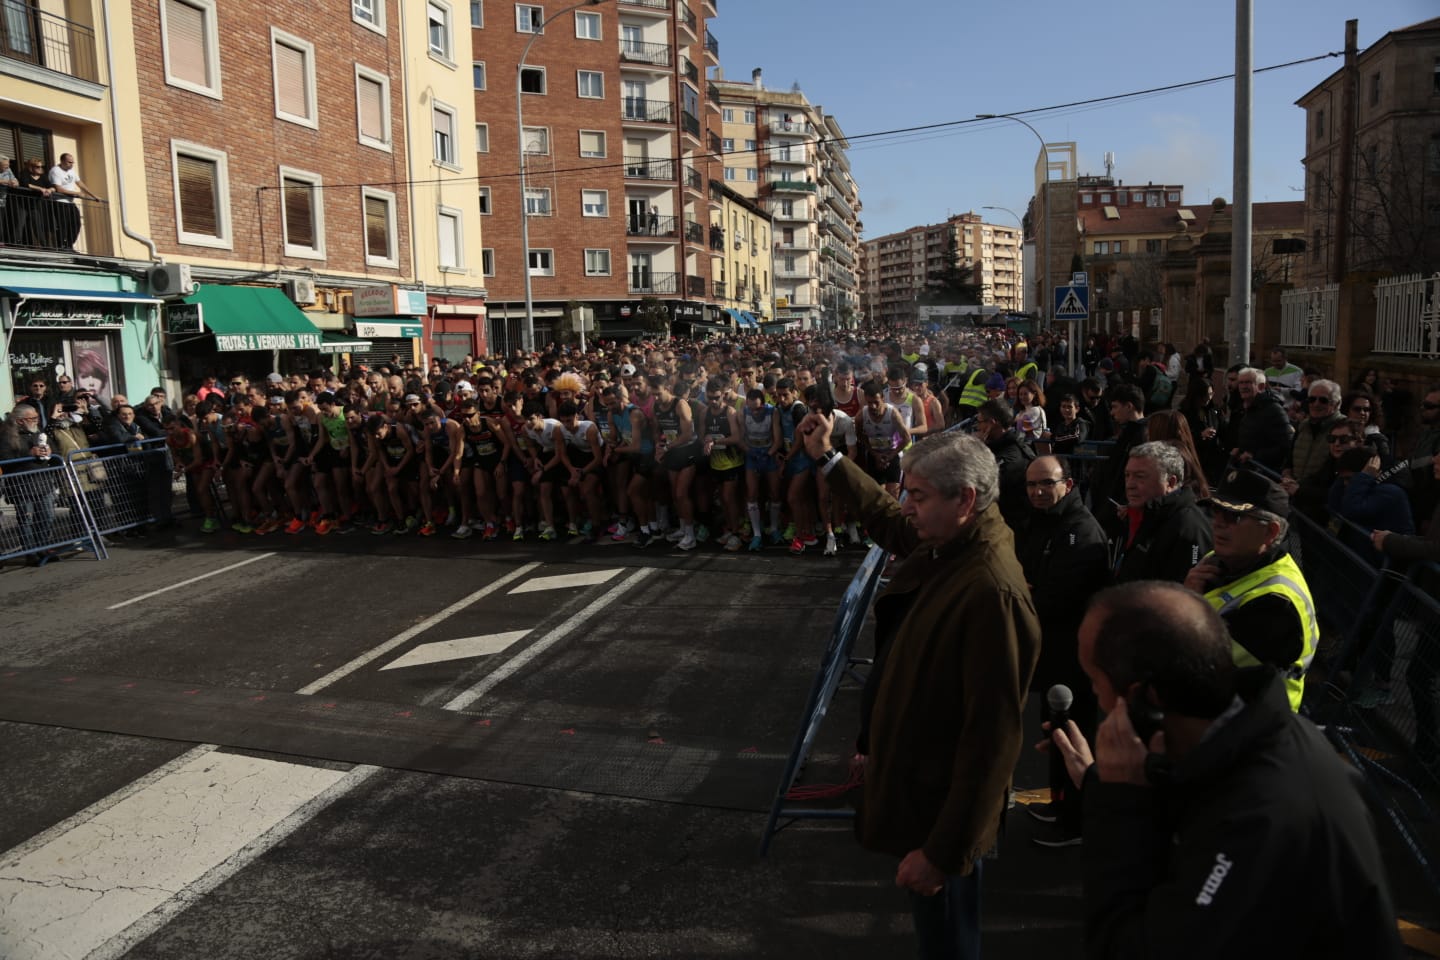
(377, 228)
(372, 114)
(199, 212)
(186, 26)
(299, 214)
(290, 81)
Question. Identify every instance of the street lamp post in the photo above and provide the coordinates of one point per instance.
(1019, 223)
(528, 342)
(1047, 292)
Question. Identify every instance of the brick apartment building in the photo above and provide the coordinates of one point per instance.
(898, 265)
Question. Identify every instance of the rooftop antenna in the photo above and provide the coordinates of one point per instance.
(1109, 164)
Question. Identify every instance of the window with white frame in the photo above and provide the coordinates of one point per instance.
(302, 214)
(443, 124)
(537, 202)
(529, 18)
(190, 44)
(752, 174)
(477, 74)
(437, 27)
(202, 194)
(477, 14)
(592, 144)
(542, 263)
(749, 116)
(381, 245)
(592, 84)
(1173, 197)
(727, 145)
(587, 26)
(372, 107)
(482, 138)
(731, 173)
(727, 115)
(487, 262)
(485, 208)
(595, 203)
(369, 13)
(537, 140)
(532, 80)
(597, 263)
(293, 62)
(450, 224)
(749, 144)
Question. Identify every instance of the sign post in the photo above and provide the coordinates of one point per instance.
(1072, 304)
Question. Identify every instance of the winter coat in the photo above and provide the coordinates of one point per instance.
(1174, 534)
(1063, 553)
(1374, 506)
(1012, 455)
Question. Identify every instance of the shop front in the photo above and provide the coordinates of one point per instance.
(392, 319)
(457, 327)
(222, 330)
(75, 338)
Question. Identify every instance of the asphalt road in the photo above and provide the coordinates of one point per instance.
(359, 747)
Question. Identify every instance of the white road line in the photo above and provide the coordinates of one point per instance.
(406, 636)
(546, 642)
(186, 583)
(564, 580)
(458, 649)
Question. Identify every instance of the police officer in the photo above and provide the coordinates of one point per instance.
(1254, 583)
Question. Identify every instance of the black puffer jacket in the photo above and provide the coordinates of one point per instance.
(1062, 551)
(1012, 455)
(1173, 536)
(1263, 431)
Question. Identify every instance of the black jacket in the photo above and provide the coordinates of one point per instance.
(1173, 536)
(1261, 847)
(1263, 431)
(1108, 480)
(1012, 456)
(1062, 551)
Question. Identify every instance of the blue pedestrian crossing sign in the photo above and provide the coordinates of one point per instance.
(1072, 302)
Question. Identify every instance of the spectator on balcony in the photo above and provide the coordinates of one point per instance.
(654, 220)
(8, 182)
(35, 222)
(68, 186)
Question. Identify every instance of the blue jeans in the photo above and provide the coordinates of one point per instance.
(947, 925)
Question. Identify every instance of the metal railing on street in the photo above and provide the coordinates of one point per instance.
(47, 511)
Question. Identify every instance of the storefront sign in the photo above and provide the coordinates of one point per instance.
(181, 318)
(267, 341)
(687, 311)
(404, 331)
(390, 301)
(68, 314)
(789, 316)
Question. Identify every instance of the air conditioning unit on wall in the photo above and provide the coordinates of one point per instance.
(171, 280)
(301, 290)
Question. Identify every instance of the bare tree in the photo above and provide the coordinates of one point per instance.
(1394, 217)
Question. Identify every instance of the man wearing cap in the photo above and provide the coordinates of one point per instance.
(1254, 583)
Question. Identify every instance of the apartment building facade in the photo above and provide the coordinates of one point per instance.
(897, 266)
(618, 142)
(790, 156)
(1392, 183)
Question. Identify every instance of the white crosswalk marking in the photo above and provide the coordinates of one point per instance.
(564, 580)
(458, 649)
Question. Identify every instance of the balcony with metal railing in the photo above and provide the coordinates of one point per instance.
(783, 185)
(694, 232)
(636, 110)
(648, 227)
(801, 241)
(661, 7)
(693, 180)
(690, 123)
(643, 168)
(839, 203)
(718, 289)
(711, 8)
(692, 73)
(645, 54)
(839, 252)
(788, 155)
(712, 47)
(802, 269)
(792, 128)
(798, 212)
(685, 18)
(648, 281)
(31, 35)
(837, 226)
(712, 99)
(717, 237)
(694, 286)
(33, 222)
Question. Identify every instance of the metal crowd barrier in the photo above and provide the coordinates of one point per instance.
(46, 511)
(836, 663)
(125, 485)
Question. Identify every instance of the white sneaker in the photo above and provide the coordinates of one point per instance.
(732, 543)
(676, 535)
(855, 538)
(687, 542)
(830, 548)
(462, 532)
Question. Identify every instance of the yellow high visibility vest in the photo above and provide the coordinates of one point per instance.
(1029, 371)
(1282, 577)
(974, 393)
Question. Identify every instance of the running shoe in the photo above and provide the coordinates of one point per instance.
(776, 538)
(572, 531)
(732, 543)
(518, 534)
(450, 517)
(380, 529)
(548, 534)
(643, 538)
(462, 532)
(400, 530)
(797, 547)
(240, 526)
(686, 543)
(756, 542)
(426, 531)
(269, 526)
(587, 528)
(831, 549)
(411, 523)
(210, 525)
(295, 526)
(856, 539)
(675, 536)
(324, 526)
(810, 540)
(491, 532)
(702, 533)
(509, 524)
(620, 532)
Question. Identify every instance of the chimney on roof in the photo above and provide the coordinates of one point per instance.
(755, 76)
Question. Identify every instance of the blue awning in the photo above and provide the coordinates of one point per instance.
(743, 319)
(750, 319)
(94, 296)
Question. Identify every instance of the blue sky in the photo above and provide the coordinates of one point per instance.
(880, 65)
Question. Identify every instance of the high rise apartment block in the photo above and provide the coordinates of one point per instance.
(791, 156)
(899, 266)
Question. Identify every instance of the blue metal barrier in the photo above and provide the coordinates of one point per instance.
(125, 485)
(834, 665)
(47, 512)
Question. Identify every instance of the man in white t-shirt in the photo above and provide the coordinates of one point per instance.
(68, 186)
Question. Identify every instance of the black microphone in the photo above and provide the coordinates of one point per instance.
(1058, 698)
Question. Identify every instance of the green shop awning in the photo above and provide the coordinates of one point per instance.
(254, 318)
(342, 343)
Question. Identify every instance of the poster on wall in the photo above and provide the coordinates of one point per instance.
(88, 364)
